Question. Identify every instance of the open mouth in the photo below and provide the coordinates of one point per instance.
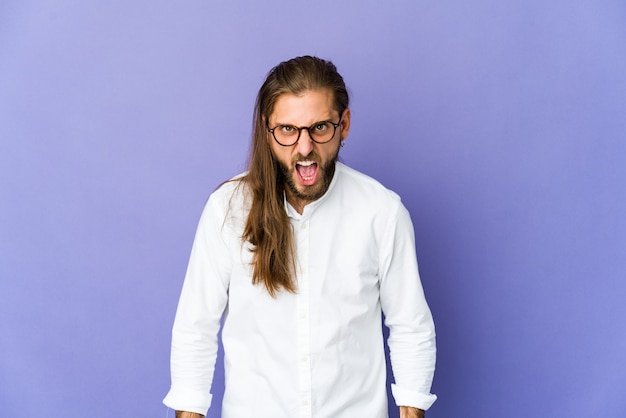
(307, 172)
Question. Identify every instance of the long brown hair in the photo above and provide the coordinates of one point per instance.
(267, 227)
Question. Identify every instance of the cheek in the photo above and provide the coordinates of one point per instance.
(331, 153)
(281, 154)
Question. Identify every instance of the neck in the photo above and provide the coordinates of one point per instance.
(296, 202)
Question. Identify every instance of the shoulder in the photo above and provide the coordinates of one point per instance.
(234, 188)
(364, 204)
(229, 200)
(360, 186)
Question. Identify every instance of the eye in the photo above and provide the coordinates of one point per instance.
(287, 129)
(320, 127)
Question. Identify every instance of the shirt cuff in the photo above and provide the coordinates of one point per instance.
(406, 397)
(188, 400)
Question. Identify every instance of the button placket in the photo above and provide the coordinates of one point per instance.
(304, 331)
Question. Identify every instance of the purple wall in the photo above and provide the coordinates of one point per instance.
(502, 125)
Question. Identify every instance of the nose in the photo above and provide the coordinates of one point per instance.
(305, 144)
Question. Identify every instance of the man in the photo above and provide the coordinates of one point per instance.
(299, 256)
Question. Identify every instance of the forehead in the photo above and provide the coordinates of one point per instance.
(306, 108)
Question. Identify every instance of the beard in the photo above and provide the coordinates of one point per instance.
(326, 171)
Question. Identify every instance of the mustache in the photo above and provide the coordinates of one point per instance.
(311, 157)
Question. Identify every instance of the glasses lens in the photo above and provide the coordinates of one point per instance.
(286, 134)
(322, 131)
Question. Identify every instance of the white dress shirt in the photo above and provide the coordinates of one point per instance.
(318, 352)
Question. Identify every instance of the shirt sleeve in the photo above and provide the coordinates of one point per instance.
(407, 315)
(202, 302)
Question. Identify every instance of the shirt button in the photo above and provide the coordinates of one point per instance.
(303, 226)
(305, 402)
(303, 359)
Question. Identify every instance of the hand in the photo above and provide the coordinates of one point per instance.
(409, 412)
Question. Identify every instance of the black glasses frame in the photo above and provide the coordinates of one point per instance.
(308, 129)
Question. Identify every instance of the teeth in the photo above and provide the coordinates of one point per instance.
(305, 163)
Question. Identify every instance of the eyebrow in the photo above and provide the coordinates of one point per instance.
(329, 119)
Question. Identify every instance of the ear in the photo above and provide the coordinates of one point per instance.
(344, 128)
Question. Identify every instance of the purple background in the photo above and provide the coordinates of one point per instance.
(500, 123)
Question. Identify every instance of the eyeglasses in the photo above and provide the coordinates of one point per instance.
(320, 132)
